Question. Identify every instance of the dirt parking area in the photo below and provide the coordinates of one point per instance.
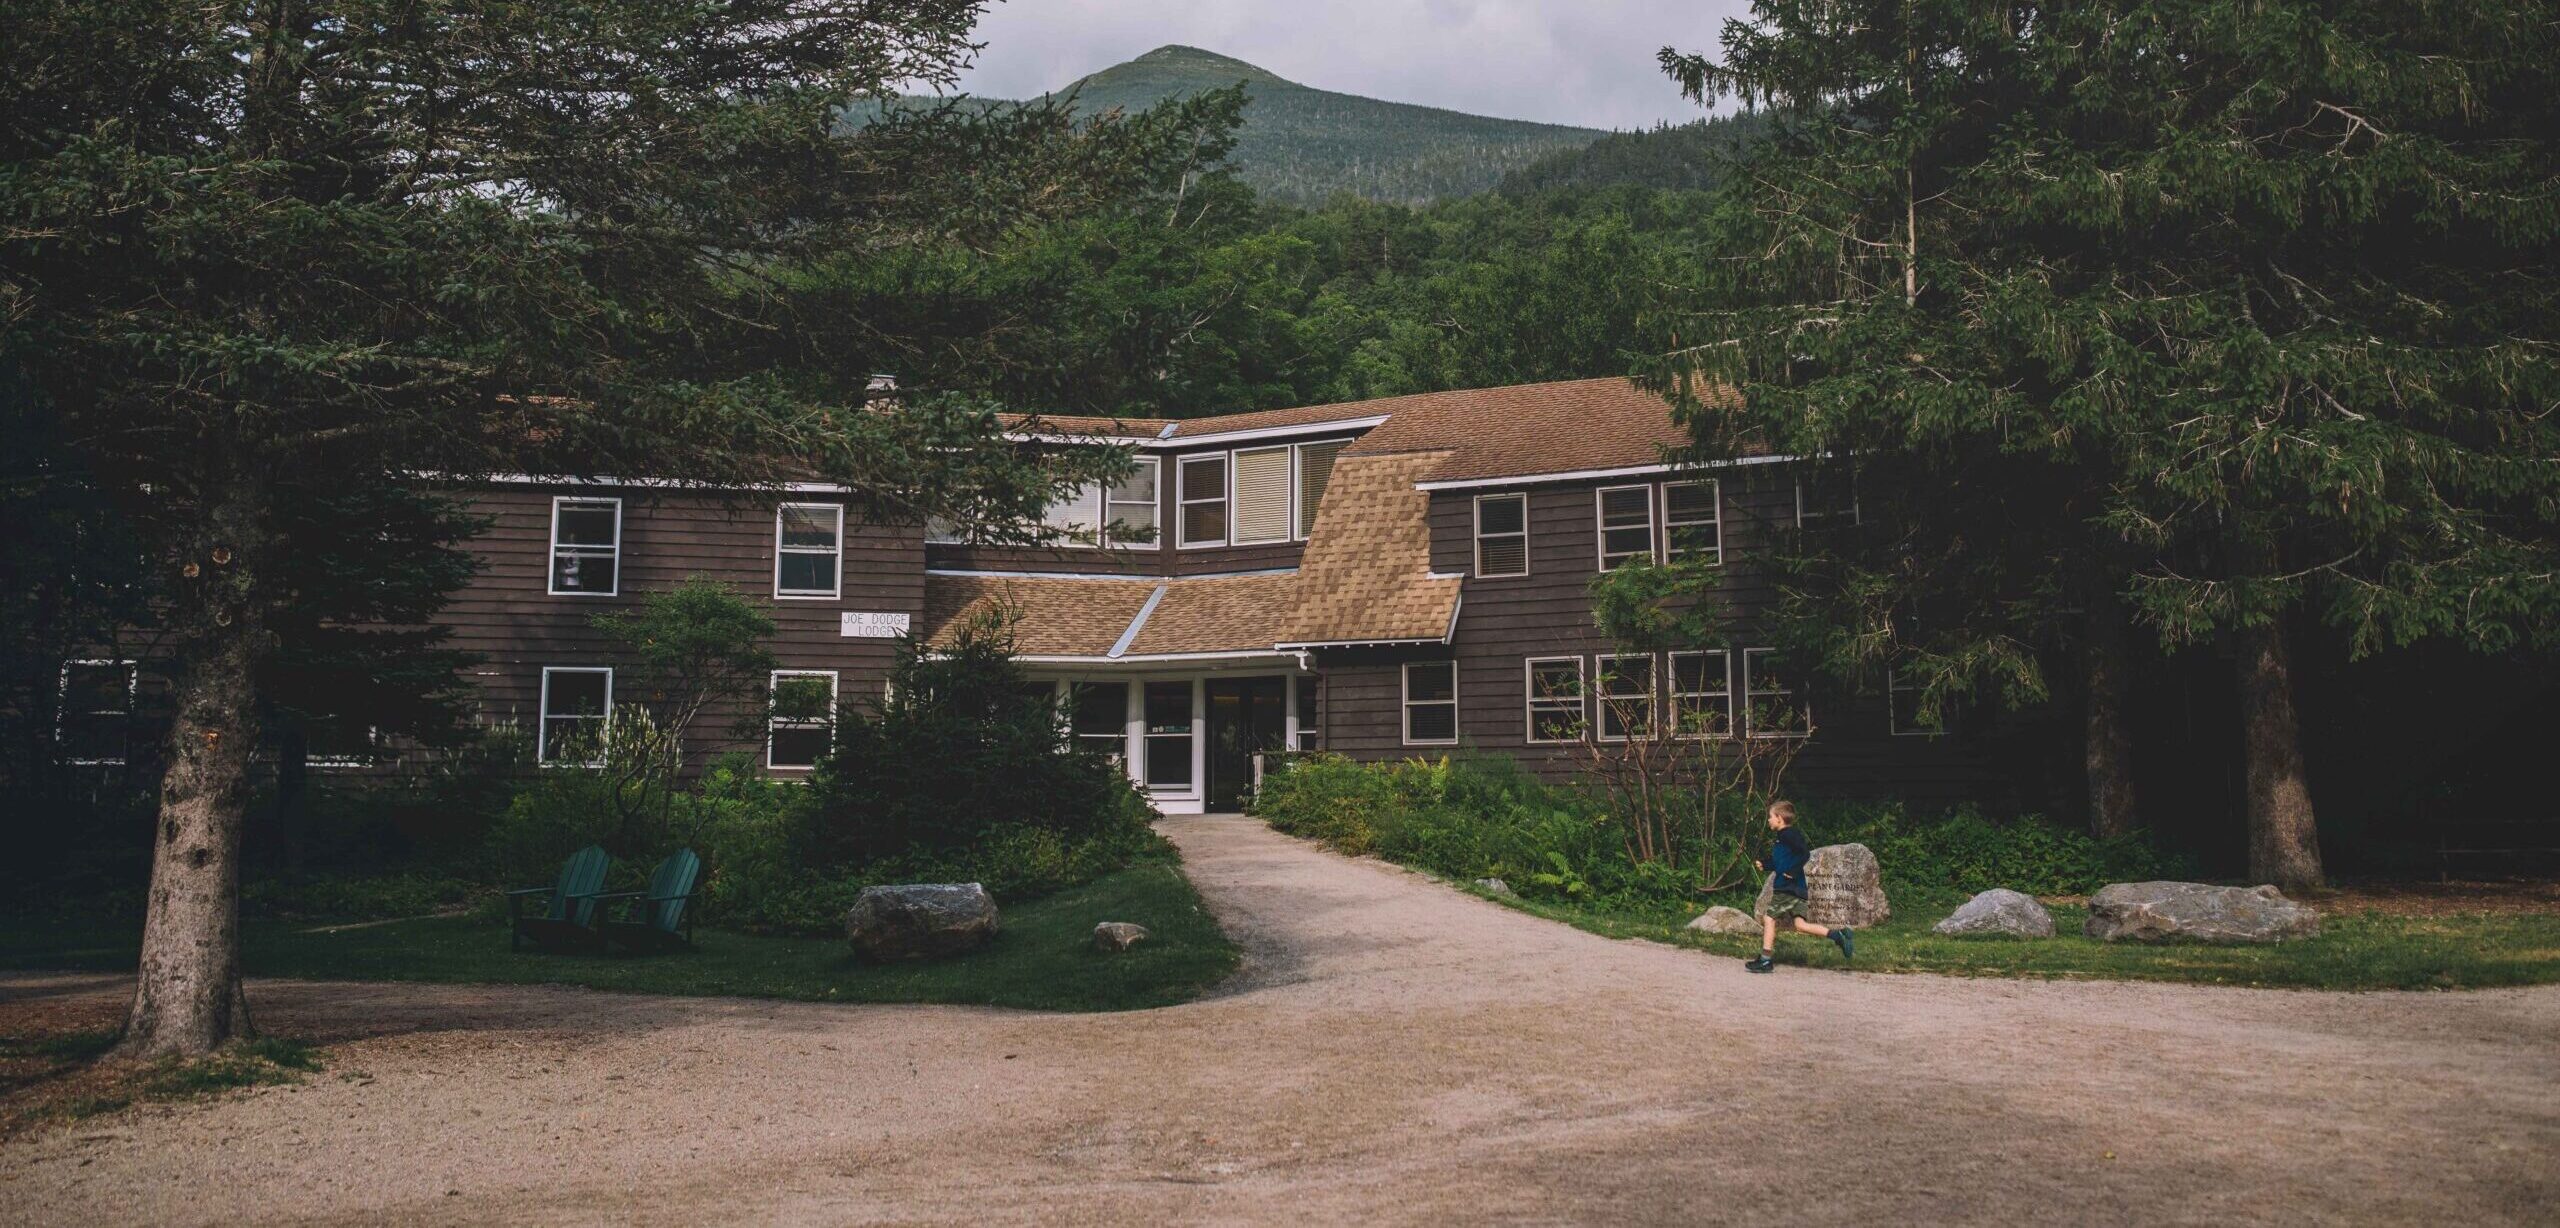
(1395, 1052)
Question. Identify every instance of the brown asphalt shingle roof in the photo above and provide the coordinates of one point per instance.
(1215, 614)
(1528, 429)
(1366, 577)
(1056, 617)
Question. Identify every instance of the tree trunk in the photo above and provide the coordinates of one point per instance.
(2284, 841)
(2110, 730)
(187, 998)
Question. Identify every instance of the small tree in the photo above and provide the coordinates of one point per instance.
(1674, 771)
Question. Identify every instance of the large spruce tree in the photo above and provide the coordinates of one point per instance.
(336, 244)
(2203, 317)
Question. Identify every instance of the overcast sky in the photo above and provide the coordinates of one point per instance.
(1588, 62)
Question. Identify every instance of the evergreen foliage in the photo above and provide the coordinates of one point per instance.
(2236, 314)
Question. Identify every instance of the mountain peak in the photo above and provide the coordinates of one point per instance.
(1196, 62)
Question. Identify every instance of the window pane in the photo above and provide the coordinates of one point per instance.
(1073, 514)
(810, 527)
(803, 698)
(1431, 722)
(1132, 513)
(1430, 680)
(1102, 709)
(807, 573)
(1169, 708)
(1506, 515)
(1503, 556)
(1628, 543)
(1262, 495)
(1626, 676)
(1690, 500)
(587, 524)
(1315, 474)
(582, 573)
(1555, 680)
(97, 688)
(1627, 505)
(1692, 672)
(799, 746)
(575, 693)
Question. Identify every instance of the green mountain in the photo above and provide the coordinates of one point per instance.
(1303, 145)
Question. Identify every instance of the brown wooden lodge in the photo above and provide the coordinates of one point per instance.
(1382, 579)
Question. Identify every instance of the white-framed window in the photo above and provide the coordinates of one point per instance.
(1771, 706)
(1129, 506)
(1201, 499)
(1315, 474)
(1702, 693)
(93, 711)
(586, 546)
(1626, 524)
(1098, 717)
(1168, 711)
(1693, 520)
(1554, 699)
(577, 709)
(1502, 535)
(1072, 518)
(808, 550)
(1902, 710)
(1261, 513)
(1430, 703)
(1626, 694)
(802, 726)
(1825, 497)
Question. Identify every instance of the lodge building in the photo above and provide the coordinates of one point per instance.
(1382, 579)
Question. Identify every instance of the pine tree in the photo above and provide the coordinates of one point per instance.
(344, 243)
(2238, 314)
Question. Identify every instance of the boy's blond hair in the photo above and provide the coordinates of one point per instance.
(1784, 810)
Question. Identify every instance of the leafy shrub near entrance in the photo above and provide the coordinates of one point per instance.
(963, 750)
(1485, 817)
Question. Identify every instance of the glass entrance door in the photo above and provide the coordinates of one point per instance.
(1245, 715)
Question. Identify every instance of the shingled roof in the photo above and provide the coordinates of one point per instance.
(1570, 426)
(1366, 577)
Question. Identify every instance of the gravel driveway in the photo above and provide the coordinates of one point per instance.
(1394, 1052)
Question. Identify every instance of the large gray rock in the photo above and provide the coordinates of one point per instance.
(920, 920)
(1844, 886)
(1493, 886)
(1723, 920)
(2196, 912)
(1999, 911)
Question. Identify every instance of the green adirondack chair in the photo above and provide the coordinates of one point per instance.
(568, 916)
(658, 918)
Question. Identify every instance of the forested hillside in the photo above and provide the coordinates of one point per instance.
(1304, 146)
(1686, 156)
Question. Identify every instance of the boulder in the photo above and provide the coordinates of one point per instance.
(2197, 912)
(1723, 920)
(920, 920)
(1118, 935)
(1999, 911)
(1493, 886)
(1844, 886)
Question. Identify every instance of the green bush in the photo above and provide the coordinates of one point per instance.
(356, 897)
(1469, 818)
(964, 746)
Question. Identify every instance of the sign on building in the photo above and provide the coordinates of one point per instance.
(874, 626)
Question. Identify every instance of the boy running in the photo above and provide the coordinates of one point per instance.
(1783, 896)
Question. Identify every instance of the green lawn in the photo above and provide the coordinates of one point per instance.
(2362, 950)
(1042, 960)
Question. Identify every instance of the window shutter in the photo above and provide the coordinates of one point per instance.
(1262, 495)
(1315, 472)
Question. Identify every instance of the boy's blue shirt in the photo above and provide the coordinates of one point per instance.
(1786, 860)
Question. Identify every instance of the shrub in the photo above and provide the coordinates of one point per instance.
(965, 745)
(1470, 818)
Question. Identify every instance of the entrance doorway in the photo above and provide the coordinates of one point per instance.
(1245, 715)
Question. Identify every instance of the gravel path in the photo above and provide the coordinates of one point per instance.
(1394, 1052)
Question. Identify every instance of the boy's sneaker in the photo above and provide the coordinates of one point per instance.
(1846, 939)
(1759, 963)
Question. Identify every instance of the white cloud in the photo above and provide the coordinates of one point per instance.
(1588, 62)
